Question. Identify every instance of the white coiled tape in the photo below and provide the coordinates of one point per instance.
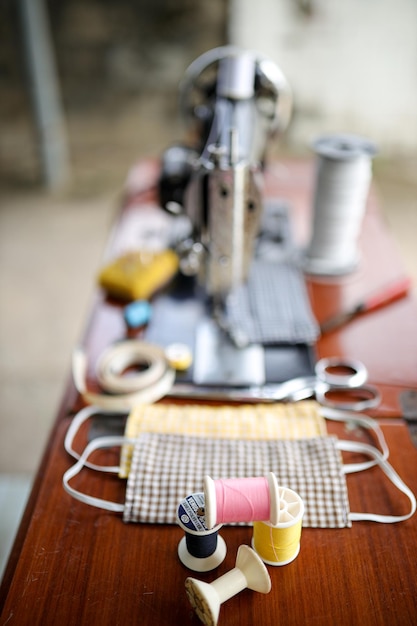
(124, 392)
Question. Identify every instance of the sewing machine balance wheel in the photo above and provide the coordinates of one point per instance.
(198, 87)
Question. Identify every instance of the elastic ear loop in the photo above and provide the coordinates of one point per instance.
(366, 422)
(341, 416)
(81, 417)
(100, 442)
(389, 471)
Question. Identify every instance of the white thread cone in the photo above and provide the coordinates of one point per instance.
(343, 178)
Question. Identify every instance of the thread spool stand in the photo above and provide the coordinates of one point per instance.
(201, 549)
(279, 544)
(213, 515)
(249, 572)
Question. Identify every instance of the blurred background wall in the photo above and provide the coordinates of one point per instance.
(118, 64)
(351, 65)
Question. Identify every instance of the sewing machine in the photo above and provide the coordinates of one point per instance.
(234, 102)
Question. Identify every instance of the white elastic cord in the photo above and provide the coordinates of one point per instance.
(150, 386)
(363, 448)
(341, 416)
(81, 417)
(100, 442)
(366, 422)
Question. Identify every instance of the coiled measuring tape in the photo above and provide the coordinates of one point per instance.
(124, 392)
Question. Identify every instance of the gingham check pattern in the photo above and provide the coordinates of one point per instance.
(273, 307)
(166, 468)
(258, 421)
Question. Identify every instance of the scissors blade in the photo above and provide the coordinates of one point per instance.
(290, 391)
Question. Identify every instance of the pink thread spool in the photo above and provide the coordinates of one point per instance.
(235, 500)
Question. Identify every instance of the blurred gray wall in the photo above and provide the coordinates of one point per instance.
(352, 64)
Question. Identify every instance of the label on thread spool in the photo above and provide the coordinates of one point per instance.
(201, 549)
(191, 514)
(279, 544)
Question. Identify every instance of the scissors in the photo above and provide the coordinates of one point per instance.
(341, 379)
(337, 383)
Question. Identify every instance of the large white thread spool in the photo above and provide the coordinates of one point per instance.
(249, 572)
(201, 549)
(343, 176)
(279, 544)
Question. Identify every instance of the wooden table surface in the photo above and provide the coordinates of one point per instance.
(75, 565)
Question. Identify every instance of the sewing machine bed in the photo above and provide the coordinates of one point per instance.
(182, 314)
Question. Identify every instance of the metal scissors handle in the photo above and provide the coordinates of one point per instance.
(343, 378)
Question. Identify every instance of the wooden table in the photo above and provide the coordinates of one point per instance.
(72, 564)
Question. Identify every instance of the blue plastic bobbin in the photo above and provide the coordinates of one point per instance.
(137, 313)
(201, 549)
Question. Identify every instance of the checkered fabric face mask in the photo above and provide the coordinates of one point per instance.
(293, 420)
(167, 467)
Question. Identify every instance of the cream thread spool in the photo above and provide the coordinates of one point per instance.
(244, 485)
(249, 572)
(201, 549)
(179, 356)
(342, 183)
(279, 544)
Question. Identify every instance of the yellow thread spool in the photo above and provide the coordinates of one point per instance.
(279, 544)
